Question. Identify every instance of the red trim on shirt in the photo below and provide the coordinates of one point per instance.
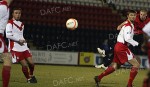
(128, 24)
(19, 27)
(3, 3)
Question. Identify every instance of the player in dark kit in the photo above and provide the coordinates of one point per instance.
(107, 54)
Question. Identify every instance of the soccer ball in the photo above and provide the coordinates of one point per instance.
(72, 24)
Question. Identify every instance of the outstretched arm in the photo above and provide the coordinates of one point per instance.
(120, 26)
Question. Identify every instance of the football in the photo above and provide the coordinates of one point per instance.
(72, 24)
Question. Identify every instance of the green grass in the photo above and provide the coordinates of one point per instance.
(71, 76)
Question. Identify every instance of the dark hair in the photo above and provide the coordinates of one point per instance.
(131, 11)
(16, 9)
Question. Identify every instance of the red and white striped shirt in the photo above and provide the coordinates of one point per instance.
(14, 32)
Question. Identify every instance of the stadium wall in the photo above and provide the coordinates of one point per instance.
(75, 58)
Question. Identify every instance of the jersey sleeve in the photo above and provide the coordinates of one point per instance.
(128, 36)
(9, 33)
(146, 29)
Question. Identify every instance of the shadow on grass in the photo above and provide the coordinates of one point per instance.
(103, 84)
(17, 81)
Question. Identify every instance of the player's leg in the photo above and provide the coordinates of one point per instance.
(105, 57)
(6, 68)
(134, 71)
(31, 65)
(6, 57)
(146, 81)
(108, 60)
(25, 68)
(28, 57)
(108, 71)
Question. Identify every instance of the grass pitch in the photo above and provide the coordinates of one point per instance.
(71, 76)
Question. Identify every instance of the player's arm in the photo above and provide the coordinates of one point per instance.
(144, 44)
(23, 36)
(128, 36)
(121, 25)
(146, 36)
(146, 31)
(9, 34)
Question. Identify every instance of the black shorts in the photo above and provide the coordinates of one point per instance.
(107, 60)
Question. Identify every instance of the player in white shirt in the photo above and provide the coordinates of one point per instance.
(146, 44)
(18, 46)
(4, 15)
(122, 53)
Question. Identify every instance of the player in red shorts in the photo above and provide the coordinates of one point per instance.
(4, 15)
(122, 53)
(18, 46)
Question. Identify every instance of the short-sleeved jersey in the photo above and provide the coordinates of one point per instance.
(15, 29)
(4, 15)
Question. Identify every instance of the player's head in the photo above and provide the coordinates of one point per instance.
(143, 15)
(16, 13)
(131, 15)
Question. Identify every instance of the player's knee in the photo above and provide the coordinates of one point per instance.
(24, 65)
(136, 65)
(114, 65)
(6, 59)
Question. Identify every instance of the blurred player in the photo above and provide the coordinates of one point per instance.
(18, 46)
(146, 82)
(122, 53)
(4, 15)
(146, 44)
(140, 21)
(107, 54)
